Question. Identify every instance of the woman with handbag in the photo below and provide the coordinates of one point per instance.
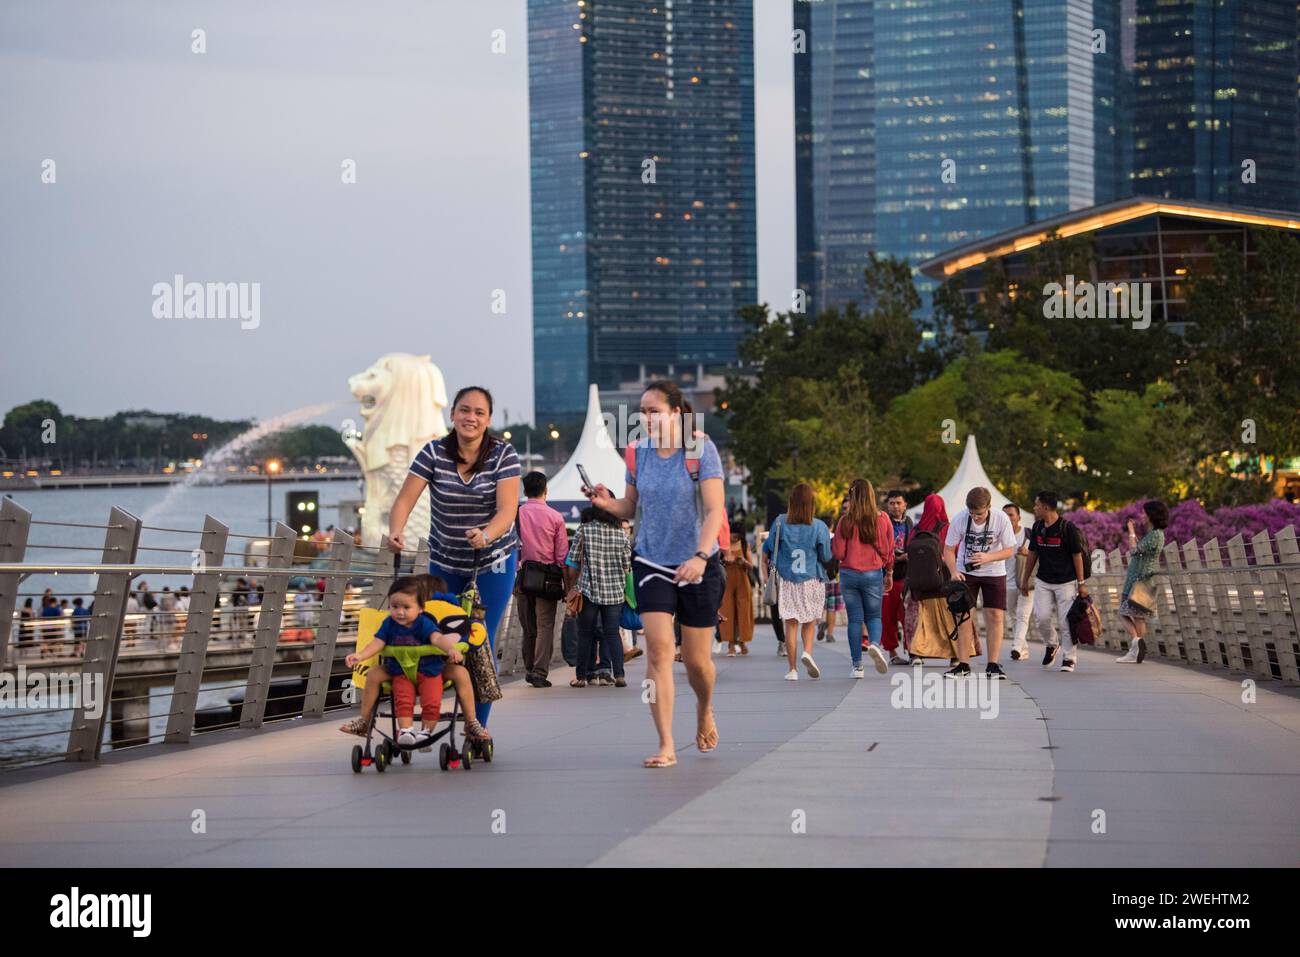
(864, 546)
(677, 490)
(473, 482)
(1138, 599)
(797, 550)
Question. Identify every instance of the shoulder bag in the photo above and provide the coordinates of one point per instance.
(772, 588)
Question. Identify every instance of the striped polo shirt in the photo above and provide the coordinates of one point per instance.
(456, 506)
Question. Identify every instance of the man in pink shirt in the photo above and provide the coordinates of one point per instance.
(542, 539)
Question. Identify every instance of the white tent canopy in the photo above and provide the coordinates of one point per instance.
(598, 454)
(970, 474)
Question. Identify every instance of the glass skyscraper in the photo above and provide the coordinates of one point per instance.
(643, 195)
(1215, 86)
(834, 147)
(1041, 107)
(923, 124)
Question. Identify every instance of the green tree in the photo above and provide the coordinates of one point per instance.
(854, 361)
(24, 431)
(1137, 446)
(1027, 419)
(1243, 376)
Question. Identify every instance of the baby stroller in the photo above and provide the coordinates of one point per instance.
(381, 757)
(451, 754)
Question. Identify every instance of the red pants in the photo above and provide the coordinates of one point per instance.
(891, 616)
(404, 698)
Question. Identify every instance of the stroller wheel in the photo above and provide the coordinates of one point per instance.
(356, 758)
(388, 752)
(406, 757)
(485, 750)
(444, 754)
(381, 760)
(465, 758)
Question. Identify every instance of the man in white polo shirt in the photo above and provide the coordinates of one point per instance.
(978, 543)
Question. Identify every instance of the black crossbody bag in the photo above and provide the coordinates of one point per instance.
(542, 580)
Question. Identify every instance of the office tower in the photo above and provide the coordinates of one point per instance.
(923, 124)
(1215, 88)
(643, 196)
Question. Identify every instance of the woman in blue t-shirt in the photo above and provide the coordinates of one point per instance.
(473, 482)
(676, 567)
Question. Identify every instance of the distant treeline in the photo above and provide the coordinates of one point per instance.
(38, 435)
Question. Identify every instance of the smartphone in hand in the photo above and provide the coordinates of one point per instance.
(586, 479)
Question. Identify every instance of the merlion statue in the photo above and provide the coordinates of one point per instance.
(402, 397)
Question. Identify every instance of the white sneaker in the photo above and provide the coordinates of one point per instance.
(878, 657)
(1131, 658)
(780, 649)
(857, 672)
(813, 670)
(406, 737)
(792, 675)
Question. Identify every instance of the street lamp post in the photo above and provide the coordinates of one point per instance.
(272, 468)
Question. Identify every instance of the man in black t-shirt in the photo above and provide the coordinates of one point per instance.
(1056, 552)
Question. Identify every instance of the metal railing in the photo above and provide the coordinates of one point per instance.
(1233, 606)
(164, 658)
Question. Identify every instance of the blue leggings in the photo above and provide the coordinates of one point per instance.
(495, 589)
(864, 594)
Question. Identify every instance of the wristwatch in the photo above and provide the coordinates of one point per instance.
(702, 555)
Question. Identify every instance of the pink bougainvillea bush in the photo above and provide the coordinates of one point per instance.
(1189, 521)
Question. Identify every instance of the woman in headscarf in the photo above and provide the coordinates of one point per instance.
(927, 624)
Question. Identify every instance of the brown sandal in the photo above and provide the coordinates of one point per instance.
(358, 726)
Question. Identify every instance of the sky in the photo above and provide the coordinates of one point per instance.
(227, 166)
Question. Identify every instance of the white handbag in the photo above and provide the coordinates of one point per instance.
(772, 587)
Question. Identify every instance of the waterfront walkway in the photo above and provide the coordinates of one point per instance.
(1184, 772)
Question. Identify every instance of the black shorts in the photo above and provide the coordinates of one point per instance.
(695, 606)
(993, 587)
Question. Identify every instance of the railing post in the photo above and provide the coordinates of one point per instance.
(1288, 553)
(1197, 618)
(198, 629)
(1216, 631)
(1279, 627)
(1239, 574)
(262, 662)
(382, 577)
(15, 524)
(1166, 628)
(327, 627)
(104, 640)
(1109, 587)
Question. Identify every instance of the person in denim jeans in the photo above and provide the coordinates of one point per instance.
(864, 545)
(603, 555)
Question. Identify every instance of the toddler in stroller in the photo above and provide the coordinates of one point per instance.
(420, 647)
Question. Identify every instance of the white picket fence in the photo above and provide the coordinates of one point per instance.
(1237, 608)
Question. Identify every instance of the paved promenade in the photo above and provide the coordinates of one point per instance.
(1185, 773)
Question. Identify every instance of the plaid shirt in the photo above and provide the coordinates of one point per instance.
(606, 556)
